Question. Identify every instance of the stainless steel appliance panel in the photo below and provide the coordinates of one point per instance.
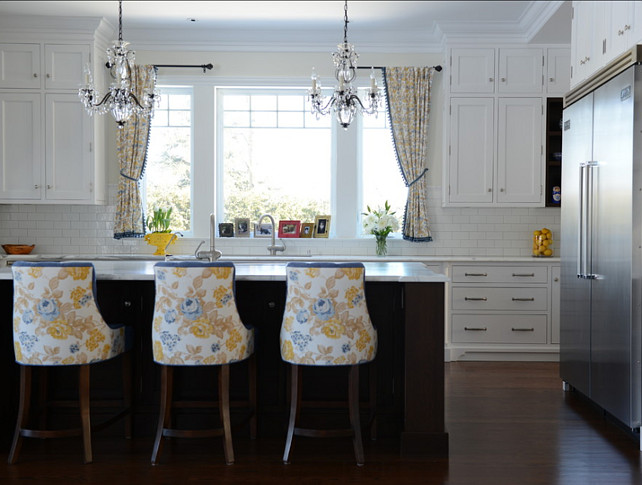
(610, 212)
(575, 334)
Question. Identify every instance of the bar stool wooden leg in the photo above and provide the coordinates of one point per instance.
(83, 396)
(295, 395)
(23, 412)
(372, 371)
(165, 410)
(353, 398)
(224, 410)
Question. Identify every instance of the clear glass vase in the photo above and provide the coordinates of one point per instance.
(382, 245)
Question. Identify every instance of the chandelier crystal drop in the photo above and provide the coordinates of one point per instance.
(344, 102)
(119, 100)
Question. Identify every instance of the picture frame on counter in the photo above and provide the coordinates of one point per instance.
(307, 229)
(242, 227)
(289, 228)
(264, 229)
(322, 226)
(226, 229)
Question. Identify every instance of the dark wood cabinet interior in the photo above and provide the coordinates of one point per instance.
(553, 152)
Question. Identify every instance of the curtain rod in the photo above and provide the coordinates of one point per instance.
(202, 66)
(437, 68)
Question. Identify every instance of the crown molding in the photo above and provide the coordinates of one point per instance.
(536, 16)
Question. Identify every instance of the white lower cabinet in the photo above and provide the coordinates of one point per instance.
(503, 311)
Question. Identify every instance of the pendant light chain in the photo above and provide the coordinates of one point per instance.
(345, 22)
(120, 20)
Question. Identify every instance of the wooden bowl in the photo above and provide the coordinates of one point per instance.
(18, 248)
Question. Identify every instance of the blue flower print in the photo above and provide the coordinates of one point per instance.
(27, 340)
(323, 309)
(303, 316)
(345, 348)
(215, 347)
(191, 308)
(73, 348)
(225, 300)
(170, 316)
(84, 300)
(169, 340)
(161, 275)
(27, 316)
(300, 340)
(294, 276)
(357, 299)
(48, 309)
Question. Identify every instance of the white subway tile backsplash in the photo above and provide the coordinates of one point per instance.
(469, 231)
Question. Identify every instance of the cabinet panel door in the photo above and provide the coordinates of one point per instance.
(472, 71)
(20, 148)
(19, 66)
(470, 163)
(620, 33)
(520, 71)
(582, 40)
(64, 65)
(558, 78)
(68, 155)
(519, 151)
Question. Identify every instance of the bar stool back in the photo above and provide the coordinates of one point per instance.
(326, 323)
(196, 323)
(56, 322)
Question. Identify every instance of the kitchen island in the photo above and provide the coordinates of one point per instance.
(406, 303)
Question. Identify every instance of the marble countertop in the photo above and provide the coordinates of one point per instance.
(402, 272)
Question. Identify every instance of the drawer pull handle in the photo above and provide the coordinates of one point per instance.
(523, 329)
(475, 274)
(523, 299)
(523, 275)
(475, 329)
(472, 298)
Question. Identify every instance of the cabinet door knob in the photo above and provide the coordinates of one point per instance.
(490, 190)
(551, 79)
(48, 75)
(127, 304)
(490, 79)
(627, 27)
(501, 190)
(620, 32)
(36, 186)
(35, 74)
(271, 305)
(503, 79)
(49, 186)
(556, 279)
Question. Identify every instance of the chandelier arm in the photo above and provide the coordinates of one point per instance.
(102, 101)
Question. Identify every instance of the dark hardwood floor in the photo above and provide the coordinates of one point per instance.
(509, 423)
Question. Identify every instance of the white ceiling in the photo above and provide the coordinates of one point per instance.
(383, 25)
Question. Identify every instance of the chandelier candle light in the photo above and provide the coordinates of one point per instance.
(381, 223)
(119, 100)
(344, 101)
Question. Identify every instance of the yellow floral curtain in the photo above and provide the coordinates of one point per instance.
(132, 143)
(408, 98)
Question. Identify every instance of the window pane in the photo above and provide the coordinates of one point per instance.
(168, 171)
(236, 102)
(282, 170)
(382, 180)
(236, 118)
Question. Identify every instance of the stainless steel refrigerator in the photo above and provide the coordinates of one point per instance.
(601, 241)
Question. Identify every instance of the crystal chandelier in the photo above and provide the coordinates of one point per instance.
(344, 101)
(120, 101)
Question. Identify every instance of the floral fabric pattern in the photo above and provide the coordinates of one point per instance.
(408, 98)
(55, 317)
(196, 321)
(326, 320)
(132, 143)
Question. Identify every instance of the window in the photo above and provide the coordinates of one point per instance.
(168, 172)
(276, 157)
(245, 151)
(381, 177)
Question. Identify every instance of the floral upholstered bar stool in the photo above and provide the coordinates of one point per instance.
(196, 323)
(326, 323)
(56, 322)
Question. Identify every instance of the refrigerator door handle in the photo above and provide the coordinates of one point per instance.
(590, 205)
(581, 222)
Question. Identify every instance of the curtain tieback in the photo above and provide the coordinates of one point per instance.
(417, 179)
(131, 178)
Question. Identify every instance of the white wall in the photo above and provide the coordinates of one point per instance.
(70, 229)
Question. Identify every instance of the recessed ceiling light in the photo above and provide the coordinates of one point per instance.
(191, 20)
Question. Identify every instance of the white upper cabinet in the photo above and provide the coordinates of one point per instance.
(20, 66)
(20, 143)
(520, 71)
(558, 74)
(64, 65)
(472, 151)
(472, 70)
(519, 151)
(620, 28)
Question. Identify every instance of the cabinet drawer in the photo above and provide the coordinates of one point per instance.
(488, 298)
(499, 274)
(499, 329)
